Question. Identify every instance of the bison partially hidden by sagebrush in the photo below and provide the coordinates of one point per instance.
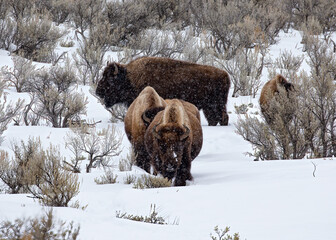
(205, 86)
(138, 117)
(270, 91)
(173, 140)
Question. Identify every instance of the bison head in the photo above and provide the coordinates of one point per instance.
(172, 143)
(113, 87)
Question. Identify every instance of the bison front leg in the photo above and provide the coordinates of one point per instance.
(210, 115)
(183, 172)
(225, 117)
(142, 159)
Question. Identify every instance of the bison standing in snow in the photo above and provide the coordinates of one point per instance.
(173, 140)
(270, 90)
(205, 86)
(138, 117)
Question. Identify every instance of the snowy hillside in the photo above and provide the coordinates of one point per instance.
(262, 200)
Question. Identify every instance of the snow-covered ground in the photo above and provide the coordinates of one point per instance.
(262, 200)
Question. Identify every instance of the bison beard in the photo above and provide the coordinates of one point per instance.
(205, 86)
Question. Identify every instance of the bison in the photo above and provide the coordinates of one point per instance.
(270, 90)
(173, 139)
(138, 117)
(204, 86)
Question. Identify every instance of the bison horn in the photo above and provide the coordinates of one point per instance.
(186, 133)
(146, 119)
(155, 133)
(115, 69)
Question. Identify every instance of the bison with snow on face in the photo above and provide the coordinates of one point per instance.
(173, 140)
(138, 117)
(205, 86)
(272, 89)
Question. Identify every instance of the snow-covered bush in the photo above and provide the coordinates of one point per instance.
(43, 228)
(20, 75)
(8, 110)
(108, 178)
(18, 173)
(222, 234)
(90, 54)
(148, 181)
(36, 37)
(54, 186)
(305, 122)
(55, 97)
(100, 146)
(153, 217)
(126, 163)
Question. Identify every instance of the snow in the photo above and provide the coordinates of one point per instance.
(261, 200)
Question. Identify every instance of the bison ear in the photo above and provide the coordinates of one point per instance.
(156, 133)
(116, 69)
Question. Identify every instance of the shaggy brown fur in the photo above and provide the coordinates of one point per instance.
(173, 140)
(271, 89)
(138, 117)
(205, 86)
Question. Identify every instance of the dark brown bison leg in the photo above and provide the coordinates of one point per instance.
(142, 159)
(183, 173)
(225, 117)
(210, 115)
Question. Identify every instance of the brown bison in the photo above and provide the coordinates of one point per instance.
(138, 117)
(173, 140)
(270, 90)
(205, 86)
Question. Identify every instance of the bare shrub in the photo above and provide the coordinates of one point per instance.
(147, 181)
(245, 70)
(11, 174)
(107, 178)
(304, 122)
(4, 8)
(92, 49)
(8, 110)
(286, 136)
(67, 43)
(320, 93)
(322, 10)
(118, 112)
(223, 234)
(56, 186)
(234, 25)
(100, 146)
(153, 217)
(287, 64)
(127, 20)
(56, 100)
(20, 75)
(8, 30)
(60, 10)
(151, 42)
(129, 179)
(43, 228)
(125, 164)
(36, 37)
(17, 173)
(85, 13)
